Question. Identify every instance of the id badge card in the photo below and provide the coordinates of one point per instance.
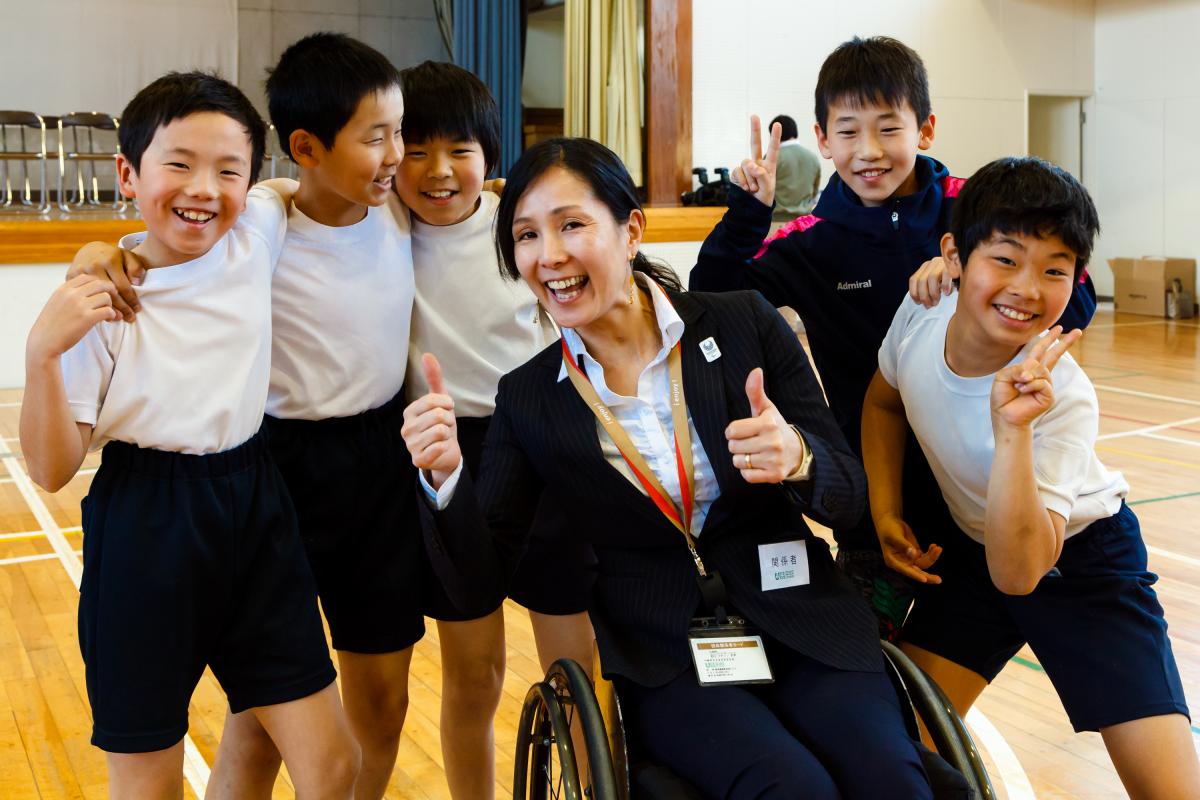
(727, 653)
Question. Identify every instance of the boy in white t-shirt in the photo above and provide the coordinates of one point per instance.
(1046, 551)
(481, 326)
(192, 556)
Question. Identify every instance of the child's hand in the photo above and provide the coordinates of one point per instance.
(933, 280)
(123, 268)
(1023, 392)
(430, 430)
(756, 175)
(764, 447)
(902, 552)
(495, 186)
(72, 310)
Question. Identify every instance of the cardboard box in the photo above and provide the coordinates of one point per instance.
(1140, 285)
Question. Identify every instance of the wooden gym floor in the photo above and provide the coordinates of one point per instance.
(1147, 373)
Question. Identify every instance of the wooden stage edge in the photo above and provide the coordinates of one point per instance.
(54, 239)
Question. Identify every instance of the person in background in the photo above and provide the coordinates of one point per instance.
(797, 174)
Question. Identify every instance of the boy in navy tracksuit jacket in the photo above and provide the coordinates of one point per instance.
(845, 268)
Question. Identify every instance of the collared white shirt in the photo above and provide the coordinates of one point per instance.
(646, 417)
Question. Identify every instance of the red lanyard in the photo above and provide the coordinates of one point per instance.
(637, 463)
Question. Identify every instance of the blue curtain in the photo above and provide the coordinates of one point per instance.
(487, 41)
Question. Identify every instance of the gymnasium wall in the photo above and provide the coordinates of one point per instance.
(93, 55)
(1139, 150)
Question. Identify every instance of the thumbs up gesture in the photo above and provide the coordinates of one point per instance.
(764, 447)
(430, 431)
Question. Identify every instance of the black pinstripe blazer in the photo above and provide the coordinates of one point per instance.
(543, 438)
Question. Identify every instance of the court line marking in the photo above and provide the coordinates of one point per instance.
(1149, 395)
(1158, 437)
(1144, 457)
(34, 534)
(1012, 775)
(1108, 415)
(84, 471)
(1158, 551)
(1150, 429)
(1161, 499)
(195, 769)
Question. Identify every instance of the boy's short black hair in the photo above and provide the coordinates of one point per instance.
(319, 82)
(878, 69)
(181, 94)
(788, 127)
(445, 100)
(1027, 196)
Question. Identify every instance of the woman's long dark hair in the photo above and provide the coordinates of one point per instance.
(595, 165)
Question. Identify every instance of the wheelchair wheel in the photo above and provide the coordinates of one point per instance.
(546, 767)
(950, 736)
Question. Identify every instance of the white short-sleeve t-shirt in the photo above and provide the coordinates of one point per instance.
(190, 375)
(951, 417)
(342, 303)
(479, 324)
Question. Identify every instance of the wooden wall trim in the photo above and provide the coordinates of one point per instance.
(37, 240)
(668, 99)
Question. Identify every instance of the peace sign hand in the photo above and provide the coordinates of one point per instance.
(1023, 392)
(756, 175)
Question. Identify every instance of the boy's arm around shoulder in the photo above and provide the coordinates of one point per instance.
(53, 442)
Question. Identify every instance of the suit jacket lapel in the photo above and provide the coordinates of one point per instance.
(704, 386)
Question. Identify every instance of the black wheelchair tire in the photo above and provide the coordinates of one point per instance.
(950, 735)
(544, 728)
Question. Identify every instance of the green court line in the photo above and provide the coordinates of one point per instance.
(1024, 662)
(1161, 499)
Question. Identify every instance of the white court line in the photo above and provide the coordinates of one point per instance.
(4, 562)
(1149, 429)
(84, 471)
(1158, 551)
(1174, 439)
(195, 769)
(31, 534)
(1012, 775)
(1148, 395)
(10, 405)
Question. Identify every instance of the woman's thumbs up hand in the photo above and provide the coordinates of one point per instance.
(430, 431)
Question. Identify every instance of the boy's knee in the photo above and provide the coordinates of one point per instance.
(339, 770)
(477, 681)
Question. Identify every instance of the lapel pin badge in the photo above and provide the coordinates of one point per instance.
(710, 349)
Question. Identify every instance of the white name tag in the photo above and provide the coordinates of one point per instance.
(730, 659)
(783, 564)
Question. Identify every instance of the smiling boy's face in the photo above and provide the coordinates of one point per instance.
(874, 147)
(1014, 286)
(191, 185)
(441, 178)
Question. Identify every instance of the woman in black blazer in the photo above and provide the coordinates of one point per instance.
(708, 523)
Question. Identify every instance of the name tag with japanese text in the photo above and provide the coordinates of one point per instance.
(727, 660)
(783, 564)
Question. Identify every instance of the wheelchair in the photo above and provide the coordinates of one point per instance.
(547, 767)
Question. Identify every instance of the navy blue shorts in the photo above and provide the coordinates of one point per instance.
(1094, 623)
(191, 561)
(555, 574)
(354, 488)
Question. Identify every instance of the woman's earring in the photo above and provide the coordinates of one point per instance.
(631, 289)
